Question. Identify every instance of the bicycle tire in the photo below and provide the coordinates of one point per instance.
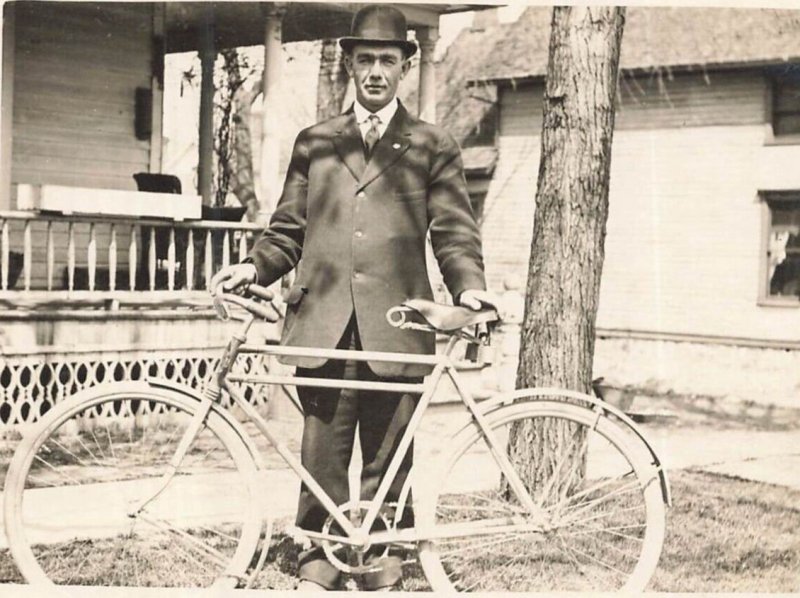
(626, 516)
(110, 445)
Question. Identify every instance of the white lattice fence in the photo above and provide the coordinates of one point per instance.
(31, 384)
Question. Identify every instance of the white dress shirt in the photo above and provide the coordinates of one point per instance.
(385, 114)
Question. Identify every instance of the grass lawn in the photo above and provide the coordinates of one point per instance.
(723, 535)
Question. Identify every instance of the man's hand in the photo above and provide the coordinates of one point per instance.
(476, 300)
(233, 277)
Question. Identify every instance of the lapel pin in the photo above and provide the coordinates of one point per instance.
(396, 146)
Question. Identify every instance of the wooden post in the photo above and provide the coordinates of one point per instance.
(205, 163)
(426, 38)
(270, 130)
(6, 105)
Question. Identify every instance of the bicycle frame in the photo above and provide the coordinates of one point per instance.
(442, 365)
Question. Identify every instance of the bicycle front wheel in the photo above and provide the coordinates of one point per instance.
(600, 516)
(90, 497)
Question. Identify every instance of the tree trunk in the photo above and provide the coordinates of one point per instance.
(242, 179)
(332, 80)
(569, 228)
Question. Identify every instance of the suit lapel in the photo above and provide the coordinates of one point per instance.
(350, 146)
(392, 145)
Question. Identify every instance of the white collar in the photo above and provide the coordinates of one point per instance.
(385, 114)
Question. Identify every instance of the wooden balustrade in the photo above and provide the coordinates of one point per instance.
(45, 257)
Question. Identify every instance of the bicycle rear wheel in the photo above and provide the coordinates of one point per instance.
(603, 514)
(76, 485)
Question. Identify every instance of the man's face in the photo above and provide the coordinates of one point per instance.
(376, 71)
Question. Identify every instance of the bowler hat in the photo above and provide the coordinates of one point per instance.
(379, 24)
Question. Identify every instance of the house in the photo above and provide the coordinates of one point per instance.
(700, 289)
(103, 277)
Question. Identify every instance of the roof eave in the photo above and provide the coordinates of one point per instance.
(512, 80)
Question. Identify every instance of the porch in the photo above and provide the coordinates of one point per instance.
(88, 299)
(114, 292)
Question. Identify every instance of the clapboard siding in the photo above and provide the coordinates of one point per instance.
(61, 149)
(521, 110)
(76, 71)
(691, 100)
(508, 209)
(54, 134)
(73, 178)
(684, 228)
(655, 101)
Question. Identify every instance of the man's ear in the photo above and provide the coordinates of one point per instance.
(406, 67)
(348, 63)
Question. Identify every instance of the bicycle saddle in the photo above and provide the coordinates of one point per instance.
(447, 318)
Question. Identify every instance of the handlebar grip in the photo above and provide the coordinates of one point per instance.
(260, 292)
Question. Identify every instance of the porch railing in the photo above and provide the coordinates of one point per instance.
(51, 257)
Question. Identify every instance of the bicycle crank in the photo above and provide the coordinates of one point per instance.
(353, 559)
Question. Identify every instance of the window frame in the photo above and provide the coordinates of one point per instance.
(767, 200)
(773, 79)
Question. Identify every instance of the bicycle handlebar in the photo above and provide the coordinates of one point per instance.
(268, 311)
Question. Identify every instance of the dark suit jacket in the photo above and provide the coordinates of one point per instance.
(360, 229)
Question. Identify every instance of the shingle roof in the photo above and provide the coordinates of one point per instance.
(658, 37)
(459, 107)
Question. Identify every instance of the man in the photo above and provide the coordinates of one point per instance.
(361, 191)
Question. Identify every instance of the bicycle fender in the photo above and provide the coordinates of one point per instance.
(221, 411)
(502, 400)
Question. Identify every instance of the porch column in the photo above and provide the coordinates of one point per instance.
(270, 129)
(426, 38)
(205, 163)
(7, 111)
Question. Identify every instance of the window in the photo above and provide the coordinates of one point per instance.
(783, 244)
(786, 103)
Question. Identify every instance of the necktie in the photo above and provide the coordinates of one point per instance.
(373, 135)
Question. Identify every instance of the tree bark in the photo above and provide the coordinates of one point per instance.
(332, 80)
(569, 229)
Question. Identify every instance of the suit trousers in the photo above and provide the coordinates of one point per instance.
(330, 422)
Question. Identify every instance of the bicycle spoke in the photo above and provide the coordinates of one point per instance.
(595, 496)
(131, 440)
(610, 530)
(168, 442)
(473, 547)
(69, 452)
(110, 443)
(97, 442)
(579, 509)
(583, 570)
(216, 532)
(570, 502)
(210, 553)
(473, 508)
(596, 560)
(565, 454)
(572, 522)
(608, 544)
(58, 471)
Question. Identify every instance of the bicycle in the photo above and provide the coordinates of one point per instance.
(542, 489)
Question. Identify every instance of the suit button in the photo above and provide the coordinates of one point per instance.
(362, 195)
(359, 234)
(356, 274)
